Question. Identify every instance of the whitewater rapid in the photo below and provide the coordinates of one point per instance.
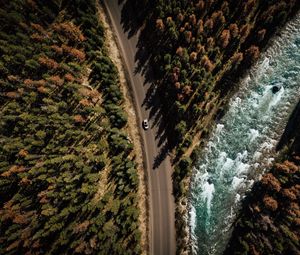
(242, 144)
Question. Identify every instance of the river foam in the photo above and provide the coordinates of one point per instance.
(242, 145)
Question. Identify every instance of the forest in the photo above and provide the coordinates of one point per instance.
(269, 221)
(68, 177)
(197, 51)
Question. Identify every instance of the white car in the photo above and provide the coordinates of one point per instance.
(145, 124)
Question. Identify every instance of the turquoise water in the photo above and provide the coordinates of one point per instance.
(242, 144)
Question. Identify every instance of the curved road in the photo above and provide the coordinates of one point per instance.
(161, 200)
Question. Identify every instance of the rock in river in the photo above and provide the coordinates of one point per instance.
(275, 89)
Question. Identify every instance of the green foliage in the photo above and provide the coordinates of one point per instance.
(268, 221)
(68, 183)
(180, 129)
(199, 49)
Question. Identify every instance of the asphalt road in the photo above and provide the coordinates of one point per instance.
(161, 201)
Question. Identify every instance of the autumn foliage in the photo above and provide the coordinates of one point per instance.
(70, 30)
(270, 218)
(68, 177)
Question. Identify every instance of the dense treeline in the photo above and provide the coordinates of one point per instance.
(68, 180)
(269, 222)
(198, 47)
(197, 51)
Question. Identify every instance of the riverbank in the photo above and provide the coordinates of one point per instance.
(269, 220)
(206, 107)
(133, 124)
(265, 100)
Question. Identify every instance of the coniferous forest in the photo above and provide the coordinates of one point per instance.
(198, 50)
(269, 221)
(68, 179)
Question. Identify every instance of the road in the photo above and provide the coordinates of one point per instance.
(161, 200)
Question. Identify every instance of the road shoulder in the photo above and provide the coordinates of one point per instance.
(132, 128)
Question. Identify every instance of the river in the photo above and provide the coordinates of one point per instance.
(243, 143)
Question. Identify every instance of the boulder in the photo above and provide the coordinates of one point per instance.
(275, 89)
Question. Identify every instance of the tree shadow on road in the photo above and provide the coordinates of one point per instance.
(134, 15)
